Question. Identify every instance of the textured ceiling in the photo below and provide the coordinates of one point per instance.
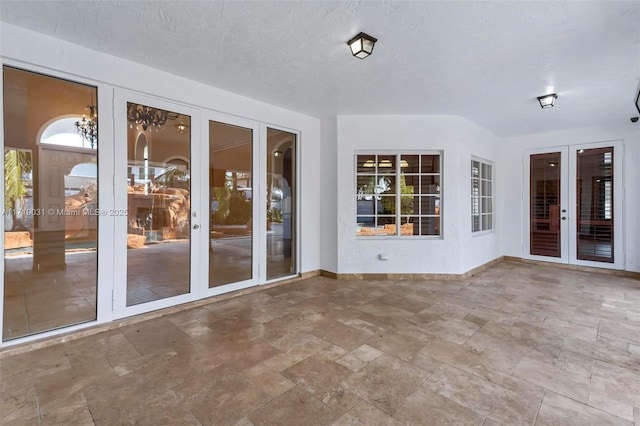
(486, 61)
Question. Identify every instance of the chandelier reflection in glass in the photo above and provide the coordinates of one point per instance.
(148, 117)
(88, 128)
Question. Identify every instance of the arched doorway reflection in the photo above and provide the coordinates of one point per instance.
(50, 257)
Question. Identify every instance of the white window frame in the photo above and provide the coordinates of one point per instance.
(397, 174)
(481, 195)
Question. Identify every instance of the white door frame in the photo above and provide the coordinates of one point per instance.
(120, 308)
(568, 204)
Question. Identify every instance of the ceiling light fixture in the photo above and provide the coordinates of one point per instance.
(547, 101)
(88, 128)
(146, 117)
(369, 163)
(362, 45)
(181, 127)
(277, 154)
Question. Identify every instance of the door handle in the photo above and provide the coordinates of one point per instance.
(564, 218)
(196, 226)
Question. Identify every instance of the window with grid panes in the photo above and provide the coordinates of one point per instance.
(398, 194)
(481, 195)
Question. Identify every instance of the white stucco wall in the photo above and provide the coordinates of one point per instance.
(30, 48)
(510, 184)
(328, 191)
(457, 251)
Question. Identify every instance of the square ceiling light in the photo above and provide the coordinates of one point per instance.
(362, 45)
(547, 101)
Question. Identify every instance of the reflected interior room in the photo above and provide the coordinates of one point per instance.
(231, 187)
(281, 214)
(51, 187)
(158, 203)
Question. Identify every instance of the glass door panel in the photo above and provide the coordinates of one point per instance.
(158, 204)
(544, 210)
(51, 202)
(281, 203)
(595, 204)
(231, 191)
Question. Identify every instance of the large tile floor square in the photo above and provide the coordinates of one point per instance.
(515, 344)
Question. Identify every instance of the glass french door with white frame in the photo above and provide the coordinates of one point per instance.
(231, 201)
(158, 225)
(573, 201)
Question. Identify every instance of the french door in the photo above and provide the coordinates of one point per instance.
(205, 204)
(157, 214)
(190, 203)
(573, 205)
(231, 204)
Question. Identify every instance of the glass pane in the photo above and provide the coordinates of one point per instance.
(594, 189)
(430, 163)
(409, 204)
(231, 196)
(486, 171)
(366, 205)
(475, 223)
(430, 185)
(475, 169)
(487, 205)
(158, 204)
(410, 225)
(545, 204)
(386, 164)
(429, 205)
(387, 204)
(430, 226)
(386, 226)
(475, 187)
(366, 185)
(51, 202)
(486, 188)
(386, 185)
(475, 205)
(281, 212)
(410, 164)
(487, 222)
(366, 163)
(411, 181)
(365, 226)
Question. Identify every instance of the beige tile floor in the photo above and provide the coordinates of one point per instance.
(37, 302)
(515, 344)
